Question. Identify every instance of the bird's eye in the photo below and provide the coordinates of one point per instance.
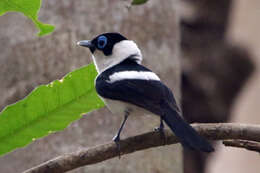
(102, 42)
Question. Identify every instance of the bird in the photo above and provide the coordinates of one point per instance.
(129, 88)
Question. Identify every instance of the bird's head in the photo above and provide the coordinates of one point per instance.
(110, 49)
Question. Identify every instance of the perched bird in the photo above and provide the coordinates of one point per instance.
(129, 88)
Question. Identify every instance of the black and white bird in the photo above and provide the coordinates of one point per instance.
(129, 88)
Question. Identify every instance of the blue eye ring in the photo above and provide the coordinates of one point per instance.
(102, 42)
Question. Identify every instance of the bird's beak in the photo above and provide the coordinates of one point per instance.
(85, 43)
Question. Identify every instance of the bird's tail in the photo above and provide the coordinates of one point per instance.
(187, 135)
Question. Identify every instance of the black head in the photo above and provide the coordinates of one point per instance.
(104, 42)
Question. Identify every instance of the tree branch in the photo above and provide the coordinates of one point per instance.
(88, 156)
(249, 145)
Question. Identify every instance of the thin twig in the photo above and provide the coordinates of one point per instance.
(249, 145)
(107, 151)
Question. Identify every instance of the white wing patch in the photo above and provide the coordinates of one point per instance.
(141, 75)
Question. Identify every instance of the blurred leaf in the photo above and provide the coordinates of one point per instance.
(30, 9)
(138, 2)
(49, 108)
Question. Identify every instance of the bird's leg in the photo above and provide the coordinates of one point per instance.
(161, 127)
(161, 130)
(116, 138)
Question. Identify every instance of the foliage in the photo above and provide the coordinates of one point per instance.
(138, 2)
(49, 108)
(29, 8)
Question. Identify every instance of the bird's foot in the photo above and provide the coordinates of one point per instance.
(160, 129)
(157, 129)
(116, 139)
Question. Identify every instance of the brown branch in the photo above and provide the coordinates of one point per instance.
(249, 145)
(107, 151)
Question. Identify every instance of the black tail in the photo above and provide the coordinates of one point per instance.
(187, 135)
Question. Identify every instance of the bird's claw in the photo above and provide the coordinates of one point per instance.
(160, 129)
(157, 129)
(116, 139)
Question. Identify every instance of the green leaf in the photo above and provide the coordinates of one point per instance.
(138, 2)
(29, 8)
(49, 108)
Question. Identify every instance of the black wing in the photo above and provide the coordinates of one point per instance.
(148, 94)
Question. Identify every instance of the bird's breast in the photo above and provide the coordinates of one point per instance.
(120, 107)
